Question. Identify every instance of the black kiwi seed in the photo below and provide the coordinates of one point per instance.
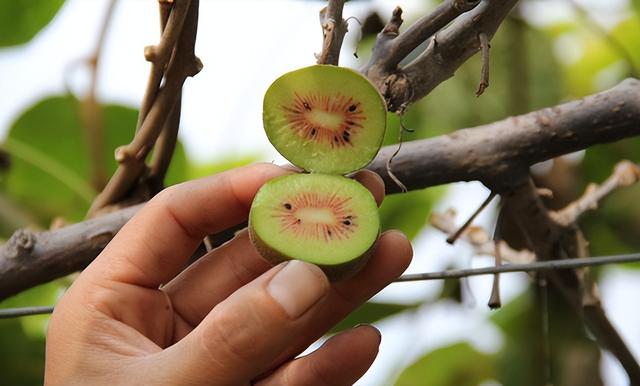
(346, 222)
(329, 232)
(352, 108)
(306, 106)
(345, 136)
(287, 206)
(335, 138)
(313, 132)
(350, 123)
(298, 221)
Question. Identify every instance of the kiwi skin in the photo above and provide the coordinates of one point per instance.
(334, 272)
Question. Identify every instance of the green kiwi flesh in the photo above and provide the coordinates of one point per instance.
(327, 220)
(325, 119)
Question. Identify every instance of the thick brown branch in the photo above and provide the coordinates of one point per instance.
(334, 27)
(484, 153)
(32, 258)
(551, 240)
(491, 153)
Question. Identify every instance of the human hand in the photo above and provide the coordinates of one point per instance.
(228, 319)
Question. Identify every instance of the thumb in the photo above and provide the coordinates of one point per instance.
(243, 336)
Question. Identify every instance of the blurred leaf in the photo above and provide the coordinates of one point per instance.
(49, 173)
(22, 355)
(409, 211)
(21, 20)
(370, 313)
(198, 170)
(456, 365)
(42, 295)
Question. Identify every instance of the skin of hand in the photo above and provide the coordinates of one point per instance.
(228, 319)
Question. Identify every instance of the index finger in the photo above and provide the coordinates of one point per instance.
(155, 244)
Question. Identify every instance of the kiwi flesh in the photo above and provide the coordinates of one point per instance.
(329, 121)
(327, 220)
(325, 119)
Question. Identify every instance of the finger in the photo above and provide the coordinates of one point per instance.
(233, 265)
(248, 334)
(241, 336)
(214, 277)
(373, 182)
(342, 360)
(391, 258)
(154, 245)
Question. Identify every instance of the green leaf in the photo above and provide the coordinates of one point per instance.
(50, 169)
(371, 312)
(409, 211)
(21, 20)
(456, 365)
(22, 356)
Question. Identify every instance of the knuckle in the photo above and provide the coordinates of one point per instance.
(230, 337)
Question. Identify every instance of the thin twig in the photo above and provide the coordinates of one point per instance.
(334, 27)
(539, 266)
(6, 313)
(494, 299)
(479, 239)
(625, 174)
(92, 111)
(452, 239)
(484, 72)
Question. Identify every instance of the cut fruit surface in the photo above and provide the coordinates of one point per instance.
(328, 220)
(325, 119)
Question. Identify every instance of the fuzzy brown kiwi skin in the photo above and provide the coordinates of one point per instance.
(334, 272)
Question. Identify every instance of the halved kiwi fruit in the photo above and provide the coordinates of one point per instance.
(327, 220)
(325, 119)
(329, 121)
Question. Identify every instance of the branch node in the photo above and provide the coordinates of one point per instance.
(151, 53)
(393, 26)
(20, 244)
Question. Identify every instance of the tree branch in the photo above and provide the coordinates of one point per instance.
(446, 53)
(551, 240)
(479, 239)
(334, 27)
(625, 174)
(492, 153)
(488, 153)
(32, 258)
(182, 64)
(392, 47)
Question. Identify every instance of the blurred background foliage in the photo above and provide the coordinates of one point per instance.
(44, 177)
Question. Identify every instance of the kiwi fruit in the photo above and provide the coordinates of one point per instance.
(325, 119)
(329, 121)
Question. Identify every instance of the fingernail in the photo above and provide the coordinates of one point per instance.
(297, 287)
(370, 326)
